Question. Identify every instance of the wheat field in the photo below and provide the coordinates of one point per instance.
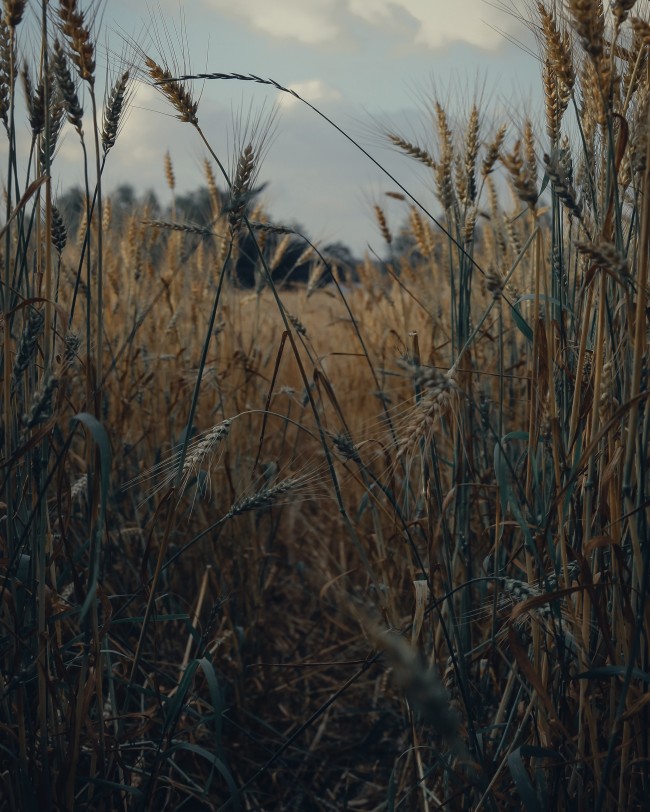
(370, 537)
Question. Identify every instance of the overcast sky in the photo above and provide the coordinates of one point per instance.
(365, 63)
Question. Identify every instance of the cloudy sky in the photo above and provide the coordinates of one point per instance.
(368, 64)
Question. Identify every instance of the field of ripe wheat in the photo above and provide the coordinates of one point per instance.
(371, 537)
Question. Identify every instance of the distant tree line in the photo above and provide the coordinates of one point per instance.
(195, 208)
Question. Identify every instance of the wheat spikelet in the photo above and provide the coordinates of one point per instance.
(307, 255)
(522, 175)
(496, 216)
(439, 392)
(49, 141)
(262, 239)
(280, 251)
(186, 228)
(558, 53)
(494, 282)
(35, 102)
(469, 225)
(59, 234)
(559, 172)
(514, 239)
(414, 151)
(315, 276)
(521, 591)
(593, 110)
(444, 167)
(588, 22)
(639, 135)
(200, 452)
(83, 226)
(113, 109)
(14, 10)
(421, 232)
(551, 102)
(242, 184)
(621, 9)
(583, 170)
(77, 34)
(41, 405)
(599, 83)
(107, 212)
(607, 401)
(641, 28)
(176, 93)
(169, 172)
(383, 225)
(67, 88)
(6, 61)
(466, 183)
(203, 449)
(79, 488)
(635, 72)
(530, 153)
(606, 255)
(130, 245)
(264, 497)
(72, 344)
(501, 237)
(298, 326)
(270, 228)
(27, 344)
(493, 152)
(346, 447)
(215, 200)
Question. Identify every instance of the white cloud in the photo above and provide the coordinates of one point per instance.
(437, 22)
(312, 90)
(310, 22)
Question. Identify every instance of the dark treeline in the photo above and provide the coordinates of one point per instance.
(196, 209)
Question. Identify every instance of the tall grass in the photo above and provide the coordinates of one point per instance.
(369, 546)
